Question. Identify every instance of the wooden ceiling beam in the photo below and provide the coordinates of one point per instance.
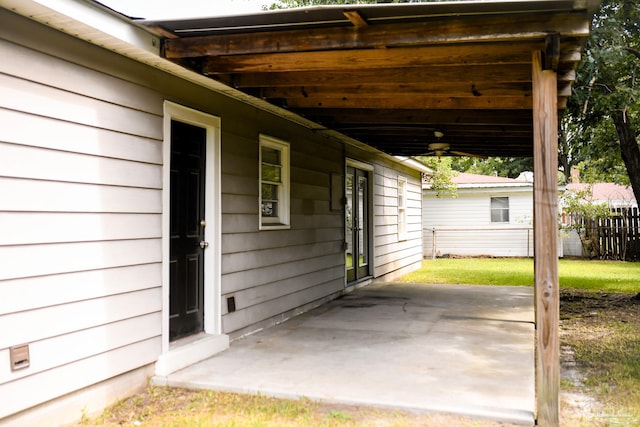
(466, 145)
(451, 133)
(422, 147)
(478, 74)
(393, 88)
(521, 150)
(428, 129)
(460, 141)
(418, 117)
(461, 55)
(419, 101)
(428, 32)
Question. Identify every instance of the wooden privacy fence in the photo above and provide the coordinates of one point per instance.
(617, 237)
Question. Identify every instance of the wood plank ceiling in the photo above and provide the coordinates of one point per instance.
(395, 76)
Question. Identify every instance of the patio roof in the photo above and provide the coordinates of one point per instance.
(397, 77)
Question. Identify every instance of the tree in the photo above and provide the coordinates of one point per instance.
(584, 216)
(592, 150)
(605, 103)
(507, 167)
(442, 178)
(568, 146)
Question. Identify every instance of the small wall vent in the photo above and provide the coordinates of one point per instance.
(19, 356)
(231, 304)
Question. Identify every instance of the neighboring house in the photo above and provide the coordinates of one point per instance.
(148, 213)
(615, 196)
(490, 216)
(493, 216)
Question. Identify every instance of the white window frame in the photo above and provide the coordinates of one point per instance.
(284, 187)
(492, 209)
(402, 207)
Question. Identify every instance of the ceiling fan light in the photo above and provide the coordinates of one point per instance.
(438, 134)
(439, 146)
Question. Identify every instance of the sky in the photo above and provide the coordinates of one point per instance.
(179, 9)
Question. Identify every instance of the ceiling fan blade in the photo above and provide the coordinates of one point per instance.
(462, 153)
(385, 127)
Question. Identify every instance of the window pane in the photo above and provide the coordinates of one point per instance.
(269, 192)
(271, 173)
(349, 219)
(362, 224)
(271, 155)
(499, 209)
(349, 259)
(496, 216)
(499, 203)
(270, 209)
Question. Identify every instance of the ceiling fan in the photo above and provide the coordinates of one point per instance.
(440, 149)
(437, 148)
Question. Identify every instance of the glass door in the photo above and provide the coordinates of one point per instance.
(357, 224)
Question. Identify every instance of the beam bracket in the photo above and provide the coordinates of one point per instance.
(551, 52)
(355, 18)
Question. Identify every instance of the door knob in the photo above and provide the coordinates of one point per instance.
(204, 244)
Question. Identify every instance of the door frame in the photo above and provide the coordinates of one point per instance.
(212, 255)
(369, 169)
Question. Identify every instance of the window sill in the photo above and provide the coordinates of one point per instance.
(275, 227)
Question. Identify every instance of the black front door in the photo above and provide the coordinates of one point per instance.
(186, 299)
(357, 224)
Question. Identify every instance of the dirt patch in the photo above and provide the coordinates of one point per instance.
(589, 305)
(597, 332)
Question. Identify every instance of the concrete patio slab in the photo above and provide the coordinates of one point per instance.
(466, 350)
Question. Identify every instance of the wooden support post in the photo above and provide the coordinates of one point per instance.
(545, 213)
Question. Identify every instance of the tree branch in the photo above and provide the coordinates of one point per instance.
(634, 52)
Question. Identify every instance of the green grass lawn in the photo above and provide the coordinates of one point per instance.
(594, 276)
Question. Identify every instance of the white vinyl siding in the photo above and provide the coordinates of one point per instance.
(273, 274)
(80, 224)
(463, 225)
(393, 256)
